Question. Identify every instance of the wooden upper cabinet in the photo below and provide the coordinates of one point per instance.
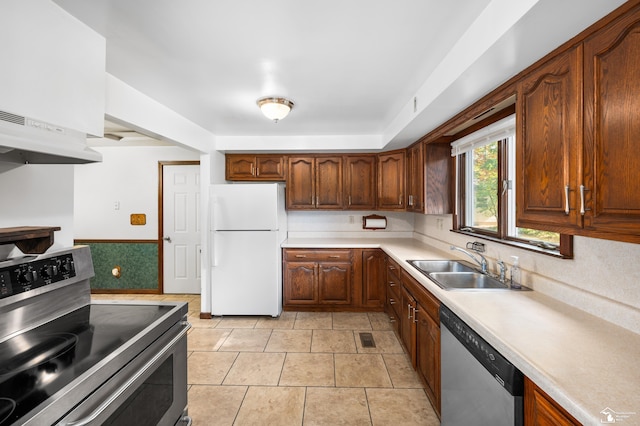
(270, 167)
(360, 182)
(549, 140)
(612, 127)
(328, 181)
(438, 174)
(300, 183)
(415, 178)
(314, 182)
(578, 166)
(391, 180)
(240, 167)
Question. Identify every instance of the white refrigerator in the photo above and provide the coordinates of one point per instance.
(248, 225)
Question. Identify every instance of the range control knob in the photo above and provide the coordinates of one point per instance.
(26, 277)
(65, 266)
(48, 271)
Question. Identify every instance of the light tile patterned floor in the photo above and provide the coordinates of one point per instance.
(302, 368)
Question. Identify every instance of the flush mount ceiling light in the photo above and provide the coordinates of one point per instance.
(275, 108)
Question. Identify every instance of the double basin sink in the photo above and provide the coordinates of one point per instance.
(457, 275)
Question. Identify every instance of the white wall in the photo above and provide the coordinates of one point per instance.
(346, 224)
(37, 195)
(603, 278)
(128, 176)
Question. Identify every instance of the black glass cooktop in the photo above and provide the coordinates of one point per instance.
(38, 363)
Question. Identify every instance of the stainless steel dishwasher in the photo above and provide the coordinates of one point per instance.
(479, 386)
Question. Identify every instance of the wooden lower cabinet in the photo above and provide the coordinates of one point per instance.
(414, 313)
(541, 410)
(408, 324)
(428, 354)
(333, 279)
(373, 278)
(302, 283)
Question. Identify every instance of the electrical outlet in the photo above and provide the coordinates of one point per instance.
(352, 219)
(439, 224)
(116, 205)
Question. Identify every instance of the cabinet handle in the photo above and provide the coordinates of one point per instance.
(253, 170)
(349, 199)
(257, 171)
(582, 208)
(334, 256)
(415, 318)
(392, 319)
(392, 268)
(317, 200)
(301, 256)
(411, 200)
(392, 284)
(566, 199)
(400, 200)
(392, 301)
(409, 307)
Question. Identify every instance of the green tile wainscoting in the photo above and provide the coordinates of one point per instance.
(138, 262)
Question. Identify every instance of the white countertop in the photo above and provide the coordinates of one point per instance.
(583, 362)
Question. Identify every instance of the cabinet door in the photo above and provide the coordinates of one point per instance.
(415, 178)
(360, 182)
(541, 410)
(408, 325)
(548, 139)
(438, 198)
(300, 178)
(328, 182)
(335, 283)
(270, 167)
(391, 181)
(612, 108)
(239, 167)
(300, 283)
(373, 278)
(428, 354)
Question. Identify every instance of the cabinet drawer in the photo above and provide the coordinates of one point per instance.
(429, 303)
(393, 288)
(393, 267)
(317, 255)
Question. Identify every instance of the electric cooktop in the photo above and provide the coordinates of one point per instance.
(37, 363)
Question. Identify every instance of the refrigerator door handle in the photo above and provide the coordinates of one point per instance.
(214, 251)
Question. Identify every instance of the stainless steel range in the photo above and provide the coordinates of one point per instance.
(67, 361)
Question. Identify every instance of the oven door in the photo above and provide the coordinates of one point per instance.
(150, 390)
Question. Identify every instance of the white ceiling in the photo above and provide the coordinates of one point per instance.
(352, 67)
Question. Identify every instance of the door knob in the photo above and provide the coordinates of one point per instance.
(167, 239)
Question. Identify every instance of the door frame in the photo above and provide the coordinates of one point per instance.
(161, 165)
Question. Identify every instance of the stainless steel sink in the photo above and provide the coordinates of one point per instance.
(466, 280)
(430, 266)
(457, 275)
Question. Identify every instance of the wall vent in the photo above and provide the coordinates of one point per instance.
(12, 118)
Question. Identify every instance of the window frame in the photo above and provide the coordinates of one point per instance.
(565, 248)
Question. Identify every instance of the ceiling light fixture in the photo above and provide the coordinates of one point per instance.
(275, 108)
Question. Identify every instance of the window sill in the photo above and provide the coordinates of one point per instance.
(517, 244)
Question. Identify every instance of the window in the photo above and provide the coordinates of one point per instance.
(486, 203)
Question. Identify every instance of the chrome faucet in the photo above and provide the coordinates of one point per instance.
(482, 261)
(503, 270)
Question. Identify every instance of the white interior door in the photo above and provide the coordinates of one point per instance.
(181, 226)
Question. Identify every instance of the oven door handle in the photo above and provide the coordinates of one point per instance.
(95, 413)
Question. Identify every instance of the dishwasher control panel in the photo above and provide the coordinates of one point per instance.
(502, 370)
(30, 275)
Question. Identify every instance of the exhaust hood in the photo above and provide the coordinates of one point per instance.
(25, 140)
